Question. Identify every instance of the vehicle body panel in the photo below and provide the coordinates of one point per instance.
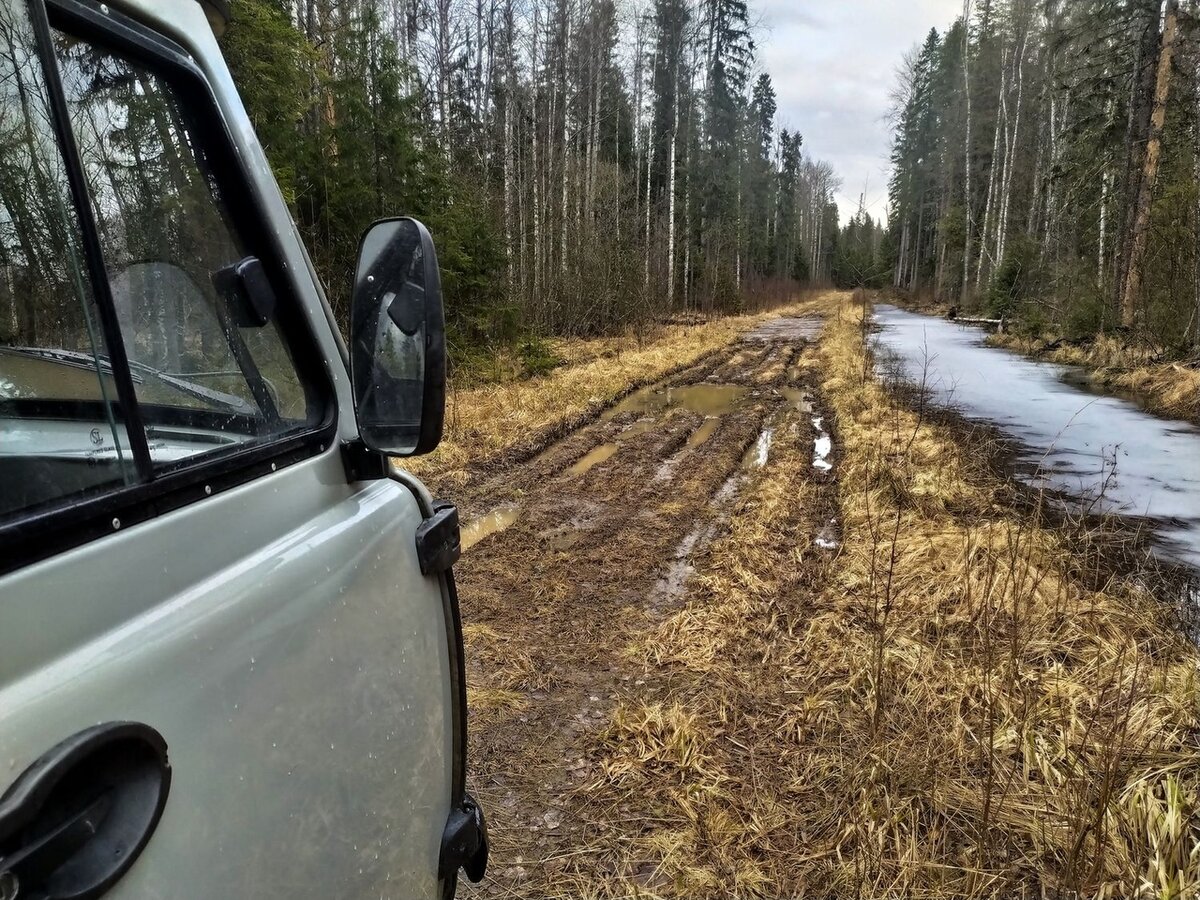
(283, 641)
(280, 636)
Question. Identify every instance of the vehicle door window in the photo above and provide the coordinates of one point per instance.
(61, 435)
(208, 374)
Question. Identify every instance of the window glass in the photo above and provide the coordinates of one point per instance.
(212, 369)
(59, 432)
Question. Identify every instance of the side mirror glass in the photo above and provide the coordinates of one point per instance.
(398, 340)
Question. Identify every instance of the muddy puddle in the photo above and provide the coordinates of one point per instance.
(799, 398)
(593, 458)
(829, 537)
(1105, 452)
(758, 453)
(822, 446)
(704, 432)
(705, 399)
(493, 522)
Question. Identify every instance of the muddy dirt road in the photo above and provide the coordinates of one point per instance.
(576, 554)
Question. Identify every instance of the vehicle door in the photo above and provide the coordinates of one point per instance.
(234, 639)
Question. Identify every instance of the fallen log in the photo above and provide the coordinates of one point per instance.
(997, 324)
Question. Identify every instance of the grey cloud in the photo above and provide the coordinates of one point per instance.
(833, 65)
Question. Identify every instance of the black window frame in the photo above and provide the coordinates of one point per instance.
(39, 534)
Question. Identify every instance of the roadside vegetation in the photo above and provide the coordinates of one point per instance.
(1169, 388)
(1010, 721)
(1046, 170)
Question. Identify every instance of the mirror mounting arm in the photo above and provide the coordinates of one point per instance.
(362, 463)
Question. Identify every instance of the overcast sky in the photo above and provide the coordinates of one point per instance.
(833, 63)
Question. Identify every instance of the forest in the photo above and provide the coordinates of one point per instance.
(1045, 165)
(584, 165)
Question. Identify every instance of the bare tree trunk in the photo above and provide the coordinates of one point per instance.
(915, 277)
(620, 174)
(1141, 92)
(600, 71)
(671, 194)
(898, 275)
(566, 143)
(1141, 223)
(1196, 167)
(637, 118)
(1102, 251)
(939, 277)
(509, 100)
(443, 69)
(1035, 200)
(649, 167)
(1010, 157)
(481, 97)
(1049, 206)
(738, 232)
(970, 219)
(536, 172)
(687, 181)
(985, 235)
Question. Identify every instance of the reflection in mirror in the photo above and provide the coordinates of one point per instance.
(398, 356)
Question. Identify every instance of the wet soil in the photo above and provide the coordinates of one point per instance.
(577, 552)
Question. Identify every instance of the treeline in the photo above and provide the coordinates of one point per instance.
(582, 164)
(1045, 166)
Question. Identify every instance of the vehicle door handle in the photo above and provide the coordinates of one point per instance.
(76, 820)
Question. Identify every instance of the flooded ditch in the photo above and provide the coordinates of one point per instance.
(1102, 453)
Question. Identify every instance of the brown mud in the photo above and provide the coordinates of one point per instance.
(581, 552)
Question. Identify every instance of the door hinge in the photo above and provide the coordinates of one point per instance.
(465, 841)
(438, 539)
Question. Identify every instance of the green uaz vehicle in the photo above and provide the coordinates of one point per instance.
(230, 654)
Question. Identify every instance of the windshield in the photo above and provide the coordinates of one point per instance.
(157, 331)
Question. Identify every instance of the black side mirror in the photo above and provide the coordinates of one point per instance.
(398, 340)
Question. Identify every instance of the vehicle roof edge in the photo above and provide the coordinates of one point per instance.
(218, 14)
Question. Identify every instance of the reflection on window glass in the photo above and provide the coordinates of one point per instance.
(59, 437)
(207, 374)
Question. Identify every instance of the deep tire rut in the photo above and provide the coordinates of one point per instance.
(591, 561)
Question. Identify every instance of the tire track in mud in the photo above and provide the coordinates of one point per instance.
(603, 529)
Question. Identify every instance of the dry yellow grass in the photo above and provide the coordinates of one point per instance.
(1045, 734)
(944, 710)
(486, 420)
(1167, 388)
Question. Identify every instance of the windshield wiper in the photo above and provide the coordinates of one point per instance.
(139, 370)
(200, 392)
